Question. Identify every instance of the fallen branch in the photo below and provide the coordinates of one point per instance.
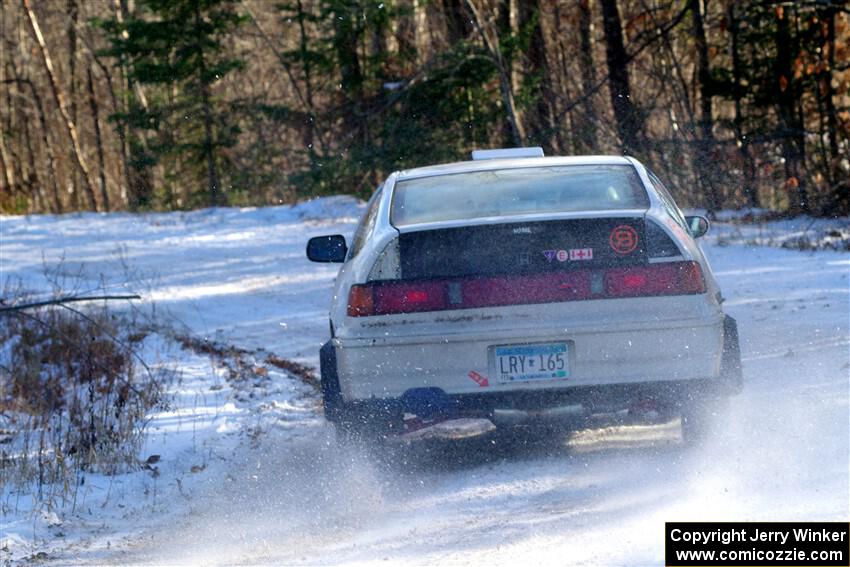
(63, 300)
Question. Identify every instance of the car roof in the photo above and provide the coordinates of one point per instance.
(510, 163)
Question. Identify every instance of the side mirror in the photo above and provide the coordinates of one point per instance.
(697, 225)
(327, 248)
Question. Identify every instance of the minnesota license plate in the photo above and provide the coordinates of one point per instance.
(524, 363)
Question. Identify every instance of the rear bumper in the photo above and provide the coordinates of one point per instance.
(594, 399)
(583, 401)
(598, 398)
(386, 368)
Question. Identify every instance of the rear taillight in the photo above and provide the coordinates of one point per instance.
(361, 301)
(690, 278)
(655, 279)
(386, 298)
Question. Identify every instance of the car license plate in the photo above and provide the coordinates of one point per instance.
(524, 363)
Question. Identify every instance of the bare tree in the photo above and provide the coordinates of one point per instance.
(705, 164)
(209, 135)
(340, 92)
(629, 123)
(490, 39)
(95, 116)
(540, 116)
(587, 132)
(742, 140)
(60, 102)
(791, 130)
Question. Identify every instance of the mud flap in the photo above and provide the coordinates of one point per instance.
(730, 362)
(331, 396)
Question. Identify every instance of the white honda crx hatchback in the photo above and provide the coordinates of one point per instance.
(516, 284)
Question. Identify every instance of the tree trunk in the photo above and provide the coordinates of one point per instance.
(345, 41)
(7, 181)
(565, 133)
(138, 172)
(629, 123)
(827, 92)
(4, 182)
(6, 163)
(70, 127)
(840, 191)
(123, 187)
(705, 146)
(790, 127)
(307, 67)
(72, 14)
(209, 136)
(743, 140)
(505, 83)
(31, 179)
(539, 116)
(405, 33)
(104, 196)
(587, 130)
(212, 170)
(458, 26)
(124, 132)
(45, 140)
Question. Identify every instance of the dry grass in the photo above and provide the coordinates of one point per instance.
(74, 394)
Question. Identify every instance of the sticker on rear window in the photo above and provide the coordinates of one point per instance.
(581, 254)
(623, 239)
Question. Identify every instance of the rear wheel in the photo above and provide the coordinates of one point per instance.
(695, 424)
(372, 426)
(700, 418)
(702, 413)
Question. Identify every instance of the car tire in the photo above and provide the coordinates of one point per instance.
(695, 425)
(701, 414)
(373, 426)
(700, 418)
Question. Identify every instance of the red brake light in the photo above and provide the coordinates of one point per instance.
(409, 297)
(634, 281)
(415, 296)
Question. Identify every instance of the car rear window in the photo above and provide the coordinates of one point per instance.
(517, 191)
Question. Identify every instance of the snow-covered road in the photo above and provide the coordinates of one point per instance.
(292, 496)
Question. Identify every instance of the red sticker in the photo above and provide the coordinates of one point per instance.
(581, 254)
(624, 239)
(482, 381)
